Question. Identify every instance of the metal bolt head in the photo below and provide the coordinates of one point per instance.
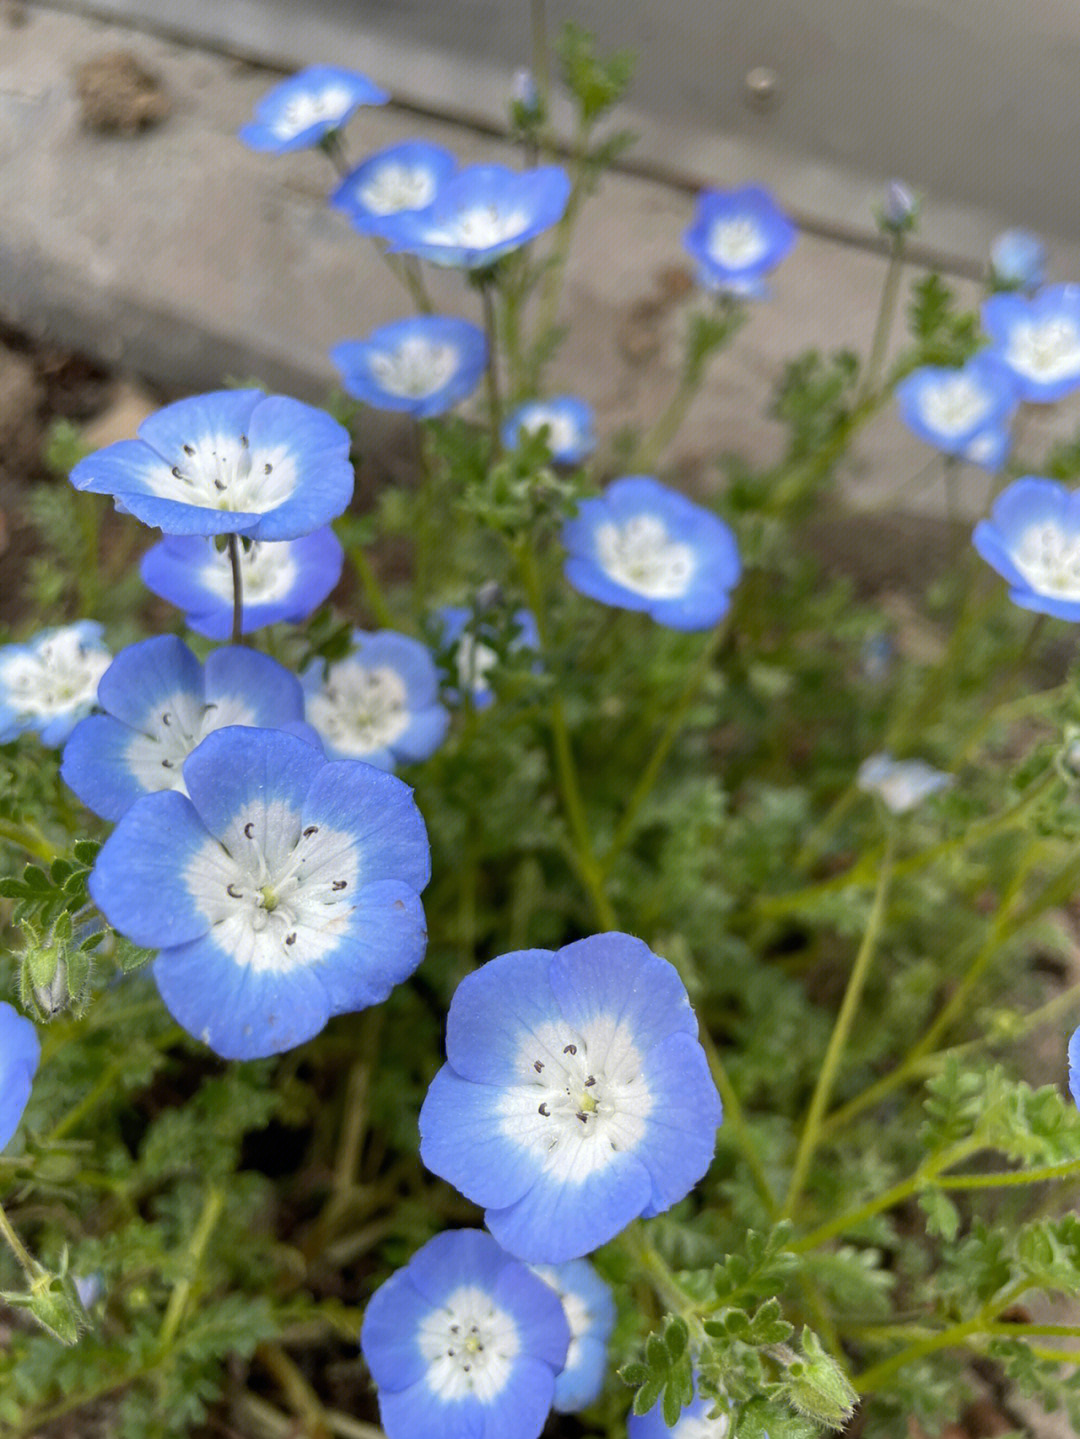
(761, 88)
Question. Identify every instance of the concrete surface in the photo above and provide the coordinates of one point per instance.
(182, 257)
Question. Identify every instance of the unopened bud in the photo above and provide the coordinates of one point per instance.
(1017, 260)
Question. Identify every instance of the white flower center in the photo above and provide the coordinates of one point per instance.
(172, 730)
(470, 1345)
(736, 243)
(582, 1098)
(481, 227)
(268, 572)
(276, 895)
(312, 107)
(1045, 350)
(698, 1426)
(562, 432)
(416, 368)
(1049, 559)
(394, 187)
(954, 405)
(57, 676)
(222, 472)
(639, 555)
(360, 709)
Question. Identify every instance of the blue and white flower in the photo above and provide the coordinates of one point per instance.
(20, 1051)
(424, 365)
(464, 1341)
(641, 546)
(380, 703)
(692, 1423)
(737, 237)
(1018, 260)
(285, 890)
(568, 420)
(51, 681)
(900, 212)
(901, 784)
(281, 580)
(1039, 339)
(481, 214)
(589, 1307)
(575, 1096)
(230, 462)
(303, 110)
(160, 703)
(989, 449)
(1074, 1068)
(1032, 539)
(950, 408)
(406, 176)
(475, 644)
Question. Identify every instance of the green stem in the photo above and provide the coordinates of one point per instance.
(237, 590)
(838, 1039)
(1005, 1179)
(27, 1262)
(890, 293)
(181, 1293)
(541, 54)
(355, 1112)
(977, 1327)
(369, 583)
(491, 372)
(551, 292)
(670, 733)
(29, 838)
(647, 455)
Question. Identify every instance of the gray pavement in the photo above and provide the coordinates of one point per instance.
(184, 258)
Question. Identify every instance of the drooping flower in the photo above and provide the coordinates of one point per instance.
(1017, 260)
(1074, 1067)
(280, 579)
(692, 1423)
(641, 546)
(464, 1342)
(901, 784)
(20, 1051)
(1032, 539)
(300, 112)
(406, 176)
(283, 891)
(590, 1312)
(380, 703)
(229, 462)
(474, 639)
(568, 421)
(424, 365)
(1039, 339)
(737, 237)
(575, 1096)
(950, 408)
(160, 703)
(482, 213)
(51, 681)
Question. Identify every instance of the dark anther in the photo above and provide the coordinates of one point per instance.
(590, 1081)
(290, 938)
(243, 442)
(167, 764)
(268, 469)
(339, 884)
(467, 1368)
(450, 1354)
(311, 829)
(583, 1116)
(538, 1066)
(189, 449)
(176, 473)
(219, 485)
(570, 1049)
(249, 829)
(236, 893)
(455, 1329)
(479, 1349)
(544, 1110)
(166, 719)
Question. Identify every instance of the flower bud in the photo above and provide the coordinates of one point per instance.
(900, 210)
(1017, 261)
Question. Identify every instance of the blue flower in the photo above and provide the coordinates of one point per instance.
(230, 462)
(20, 1051)
(1032, 538)
(464, 1342)
(474, 640)
(590, 1312)
(283, 891)
(160, 703)
(644, 547)
(1039, 339)
(1074, 1067)
(901, 784)
(575, 1096)
(300, 112)
(569, 425)
(50, 682)
(736, 237)
(280, 579)
(900, 211)
(380, 703)
(482, 213)
(692, 1423)
(1018, 260)
(424, 365)
(989, 449)
(951, 408)
(406, 176)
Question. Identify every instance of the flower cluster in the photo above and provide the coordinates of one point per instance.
(48, 684)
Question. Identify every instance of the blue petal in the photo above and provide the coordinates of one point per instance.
(537, 1311)
(138, 878)
(267, 688)
(388, 1337)
(620, 977)
(495, 1014)
(581, 1385)
(319, 449)
(425, 734)
(699, 609)
(461, 1140)
(20, 1051)
(384, 943)
(1074, 1066)
(417, 1413)
(145, 677)
(455, 1258)
(95, 766)
(378, 810)
(237, 767)
(680, 1139)
(205, 421)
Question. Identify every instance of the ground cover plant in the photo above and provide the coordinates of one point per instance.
(586, 979)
